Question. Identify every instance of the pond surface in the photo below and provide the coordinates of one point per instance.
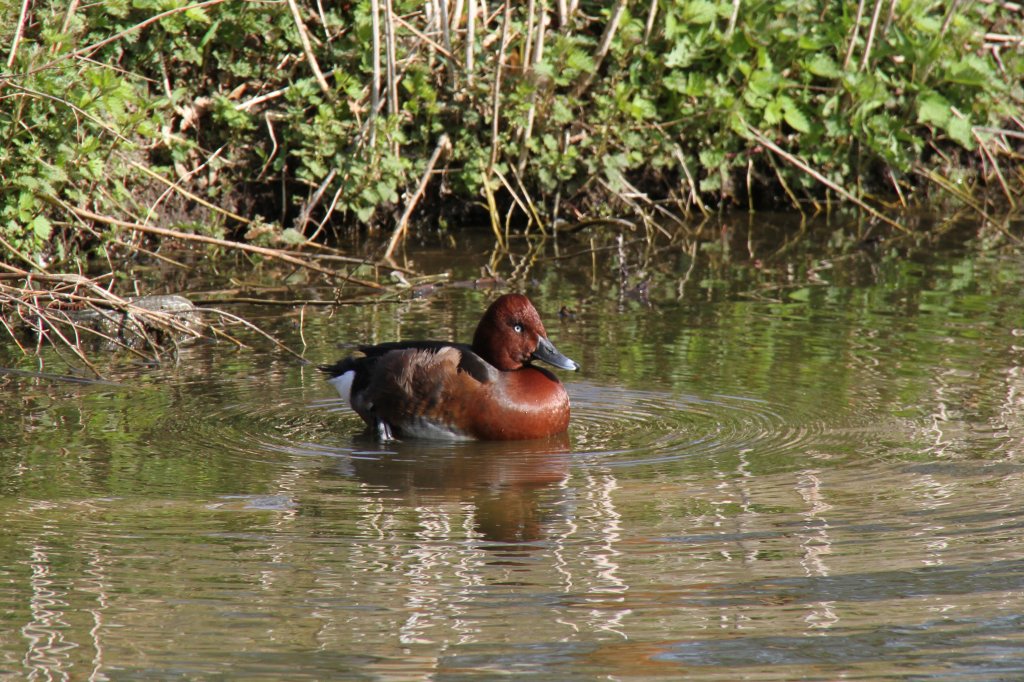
(781, 465)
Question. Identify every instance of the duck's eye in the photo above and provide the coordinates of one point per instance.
(518, 328)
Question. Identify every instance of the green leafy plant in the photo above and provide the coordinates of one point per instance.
(329, 118)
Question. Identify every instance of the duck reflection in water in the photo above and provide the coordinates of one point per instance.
(503, 481)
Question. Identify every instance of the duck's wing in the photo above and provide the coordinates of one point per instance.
(469, 362)
(376, 350)
(363, 364)
(427, 392)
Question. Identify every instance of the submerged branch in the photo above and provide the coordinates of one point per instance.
(78, 313)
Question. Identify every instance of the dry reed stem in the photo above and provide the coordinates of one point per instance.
(733, 17)
(527, 131)
(677, 152)
(70, 105)
(853, 35)
(72, 8)
(652, 14)
(654, 207)
(11, 248)
(19, 29)
(896, 186)
(307, 49)
(375, 86)
(785, 185)
(953, 189)
(532, 213)
(289, 302)
(441, 49)
(950, 14)
(43, 320)
(951, 11)
(85, 52)
(531, 18)
(333, 255)
(392, 61)
(444, 146)
(533, 55)
(186, 175)
(603, 47)
(496, 95)
(302, 219)
(189, 195)
(470, 40)
(492, 209)
(987, 153)
(445, 21)
(252, 327)
(265, 97)
(871, 35)
(516, 200)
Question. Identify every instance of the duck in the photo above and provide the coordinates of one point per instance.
(488, 390)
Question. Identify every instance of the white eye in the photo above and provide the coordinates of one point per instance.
(518, 328)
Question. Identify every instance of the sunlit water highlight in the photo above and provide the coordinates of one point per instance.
(811, 489)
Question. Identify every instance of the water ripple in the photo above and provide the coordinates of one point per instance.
(611, 425)
(628, 426)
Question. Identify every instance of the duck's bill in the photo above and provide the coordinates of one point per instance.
(547, 352)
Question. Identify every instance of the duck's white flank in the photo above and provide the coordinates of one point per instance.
(343, 384)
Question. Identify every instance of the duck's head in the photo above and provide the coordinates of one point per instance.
(511, 334)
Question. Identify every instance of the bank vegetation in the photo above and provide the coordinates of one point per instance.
(278, 128)
(280, 122)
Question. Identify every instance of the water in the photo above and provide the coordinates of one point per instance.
(796, 465)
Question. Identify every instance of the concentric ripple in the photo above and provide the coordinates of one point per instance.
(610, 425)
(624, 427)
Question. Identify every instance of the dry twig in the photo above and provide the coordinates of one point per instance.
(805, 167)
(444, 145)
(307, 48)
(276, 254)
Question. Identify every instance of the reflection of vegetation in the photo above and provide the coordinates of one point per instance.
(206, 114)
(880, 333)
(96, 440)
